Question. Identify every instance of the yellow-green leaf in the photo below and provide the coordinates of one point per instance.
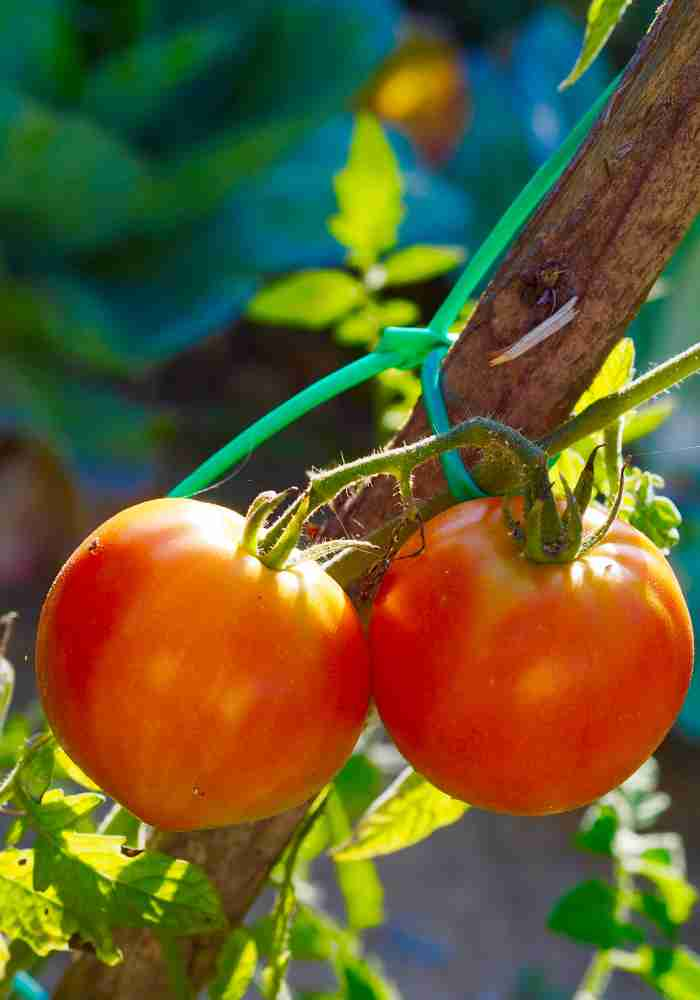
(603, 15)
(313, 298)
(639, 423)
(4, 956)
(358, 880)
(674, 973)
(420, 262)
(616, 372)
(369, 191)
(70, 770)
(410, 810)
(235, 966)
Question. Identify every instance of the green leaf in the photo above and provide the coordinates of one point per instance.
(119, 822)
(87, 884)
(656, 516)
(398, 312)
(314, 936)
(358, 784)
(186, 190)
(369, 193)
(359, 883)
(36, 768)
(616, 372)
(639, 423)
(131, 88)
(235, 966)
(64, 812)
(410, 810)
(12, 739)
(656, 910)
(587, 914)
(679, 896)
(362, 981)
(568, 466)
(603, 15)
(674, 973)
(4, 956)
(314, 299)
(396, 392)
(420, 262)
(62, 177)
(361, 328)
(598, 828)
(66, 768)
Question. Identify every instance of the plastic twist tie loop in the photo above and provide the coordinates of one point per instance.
(410, 344)
(459, 481)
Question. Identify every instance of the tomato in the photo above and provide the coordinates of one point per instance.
(527, 688)
(190, 682)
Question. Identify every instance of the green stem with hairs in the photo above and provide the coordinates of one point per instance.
(605, 411)
(478, 432)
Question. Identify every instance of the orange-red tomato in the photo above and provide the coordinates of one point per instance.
(526, 688)
(193, 684)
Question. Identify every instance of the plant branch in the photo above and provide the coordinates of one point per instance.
(605, 411)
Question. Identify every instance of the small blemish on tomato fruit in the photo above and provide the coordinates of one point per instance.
(196, 790)
(94, 546)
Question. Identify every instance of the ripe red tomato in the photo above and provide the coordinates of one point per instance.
(528, 688)
(193, 684)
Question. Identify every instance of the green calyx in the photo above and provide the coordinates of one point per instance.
(550, 534)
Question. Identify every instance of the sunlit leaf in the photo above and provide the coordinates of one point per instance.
(679, 896)
(4, 956)
(362, 981)
(88, 884)
(421, 262)
(639, 423)
(616, 372)
(410, 810)
(235, 966)
(314, 298)
(361, 328)
(36, 769)
(359, 882)
(603, 16)
(67, 767)
(369, 192)
(675, 973)
(598, 828)
(314, 936)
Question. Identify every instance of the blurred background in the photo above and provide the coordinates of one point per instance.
(160, 160)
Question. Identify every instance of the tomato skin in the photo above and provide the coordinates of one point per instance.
(193, 684)
(525, 688)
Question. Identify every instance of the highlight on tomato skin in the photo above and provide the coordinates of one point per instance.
(190, 682)
(526, 688)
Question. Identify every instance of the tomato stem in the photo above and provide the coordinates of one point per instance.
(605, 411)
(513, 454)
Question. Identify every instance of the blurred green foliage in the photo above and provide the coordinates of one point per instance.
(158, 157)
(133, 136)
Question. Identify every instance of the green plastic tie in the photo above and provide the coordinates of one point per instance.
(459, 480)
(406, 347)
(398, 347)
